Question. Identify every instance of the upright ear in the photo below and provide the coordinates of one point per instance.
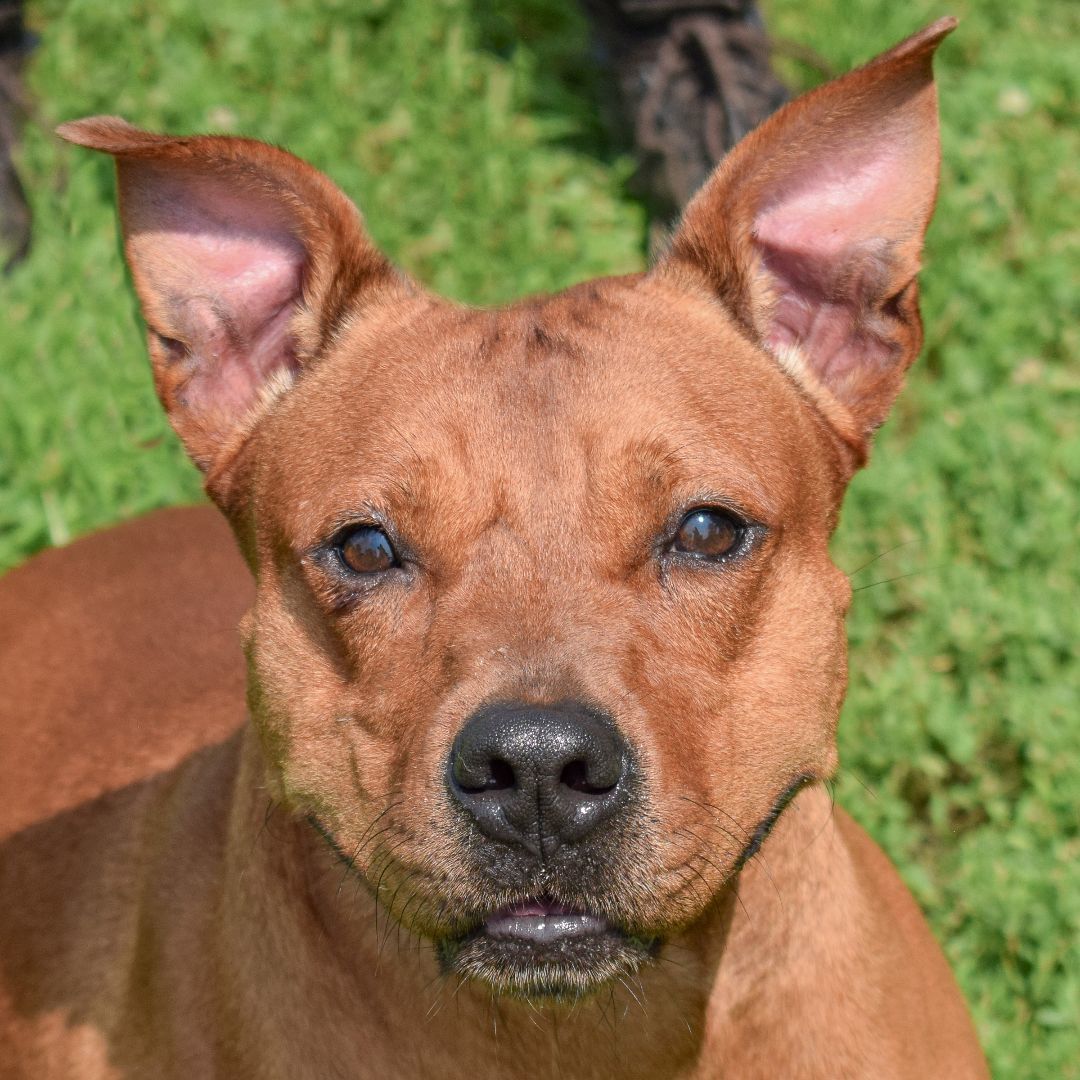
(810, 232)
(245, 260)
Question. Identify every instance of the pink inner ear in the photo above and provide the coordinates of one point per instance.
(826, 239)
(225, 273)
(238, 330)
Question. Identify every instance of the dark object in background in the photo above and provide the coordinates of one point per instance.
(693, 78)
(15, 44)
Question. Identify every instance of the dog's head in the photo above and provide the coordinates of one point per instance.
(546, 629)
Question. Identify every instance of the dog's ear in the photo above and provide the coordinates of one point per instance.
(810, 232)
(245, 259)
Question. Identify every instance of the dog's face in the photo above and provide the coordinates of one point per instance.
(546, 630)
(604, 514)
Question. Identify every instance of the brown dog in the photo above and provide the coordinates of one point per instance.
(544, 639)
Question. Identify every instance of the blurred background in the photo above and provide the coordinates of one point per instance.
(473, 136)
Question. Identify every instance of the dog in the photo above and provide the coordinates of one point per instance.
(544, 648)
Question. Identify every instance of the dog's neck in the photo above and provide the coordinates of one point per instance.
(305, 952)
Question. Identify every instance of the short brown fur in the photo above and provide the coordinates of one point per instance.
(189, 893)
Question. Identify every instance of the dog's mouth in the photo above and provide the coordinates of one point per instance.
(541, 948)
(543, 922)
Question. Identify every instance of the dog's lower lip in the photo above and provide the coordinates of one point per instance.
(542, 922)
(539, 948)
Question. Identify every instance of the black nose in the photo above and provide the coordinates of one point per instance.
(539, 777)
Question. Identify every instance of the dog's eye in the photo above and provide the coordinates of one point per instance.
(366, 549)
(708, 534)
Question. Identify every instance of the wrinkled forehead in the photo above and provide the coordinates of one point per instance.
(619, 390)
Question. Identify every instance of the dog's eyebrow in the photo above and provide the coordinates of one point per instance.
(675, 472)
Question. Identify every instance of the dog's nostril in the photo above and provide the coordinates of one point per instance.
(575, 776)
(498, 776)
(501, 775)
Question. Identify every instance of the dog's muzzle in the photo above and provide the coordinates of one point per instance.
(545, 790)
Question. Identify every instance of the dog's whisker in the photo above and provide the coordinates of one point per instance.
(757, 855)
(348, 869)
(438, 1001)
(846, 770)
(759, 859)
(829, 817)
(614, 1029)
(405, 879)
(415, 896)
(380, 867)
(720, 874)
(738, 897)
(630, 990)
(369, 837)
(715, 826)
(705, 885)
(271, 806)
(881, 555)
(900, 577)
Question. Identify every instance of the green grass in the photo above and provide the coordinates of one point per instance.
(469, 134)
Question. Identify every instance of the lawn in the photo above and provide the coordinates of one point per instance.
(470, 135)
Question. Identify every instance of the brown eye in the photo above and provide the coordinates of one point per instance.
(366, 549)
(708, 534)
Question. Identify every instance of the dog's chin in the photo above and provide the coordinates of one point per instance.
(538, 949)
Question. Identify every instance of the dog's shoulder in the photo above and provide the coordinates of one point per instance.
(121, 657)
